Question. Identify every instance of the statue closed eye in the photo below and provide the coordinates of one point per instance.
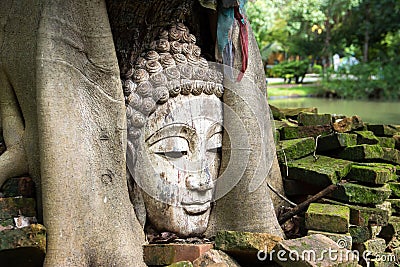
(174, 133)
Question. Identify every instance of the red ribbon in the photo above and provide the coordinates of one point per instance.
(244, 41)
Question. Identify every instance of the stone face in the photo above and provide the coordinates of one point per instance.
(215, 258)
(344, 240)
(322, 172)
(291, 132)
(328, 218)
(382, 130)
(359, 234)
(20, 186)
(312, 119)
(361, 152)
(348, 124)
(360, 194)
(336, 141)
(165, 254)
(295, 149)
(391, 155)
(13, 206)
(312, 251)
(234, 242)
(388, 142)
(366, 137)
(372, 174)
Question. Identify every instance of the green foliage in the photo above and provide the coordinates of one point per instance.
(317, 69)
(291, 69)
(368, 80)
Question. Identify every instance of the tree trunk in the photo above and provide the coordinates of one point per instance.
(59, 65)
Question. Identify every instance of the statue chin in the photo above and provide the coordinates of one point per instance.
(163, 217)
(177, 163)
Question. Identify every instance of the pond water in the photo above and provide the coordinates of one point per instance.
(369, 111)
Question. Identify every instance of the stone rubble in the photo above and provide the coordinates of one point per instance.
(314, 151)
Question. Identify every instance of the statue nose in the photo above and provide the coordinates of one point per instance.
(200, 182)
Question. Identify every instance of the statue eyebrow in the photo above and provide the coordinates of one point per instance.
(172, 130)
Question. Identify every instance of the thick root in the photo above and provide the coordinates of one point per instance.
(13, 163)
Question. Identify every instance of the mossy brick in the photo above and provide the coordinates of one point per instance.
(392, 229)
(396, 138)
(13, 206)
(319, 245)
(361, 194)
(336, 141)
(181, 264)
(293, 132)
(296, 188)
(388, 142)
(235, 242)
(295, 149)
(395, 187)
(366, 137)
(328, 218)
(374, 246)
(165, 254)
(31, 236)
(395, 204)
(361, 152)
(372, 174)
(359, 234)
(384, 259)
(19, 186)
(216, 258)
(391, 155)
(321, 172)
(312, 119)
(364, 216)
(277, 113)
(344, 240)
(382, 130)
(293, 113)
(277, 136)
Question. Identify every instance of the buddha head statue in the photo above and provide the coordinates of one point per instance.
(174, 122)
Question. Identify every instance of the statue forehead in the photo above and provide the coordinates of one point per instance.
(194, 111)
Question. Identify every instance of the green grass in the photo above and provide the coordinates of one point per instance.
(297, 90)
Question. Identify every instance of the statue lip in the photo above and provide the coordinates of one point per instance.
(196, 207)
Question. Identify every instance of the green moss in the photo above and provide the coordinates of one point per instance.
(391, 155)
(321, 172)
(361, 152)
(359, 234)
(383, 130)
(360, 194)
(328, 218)
(295, 149)
(388, 142)
(312, 119)
(372, 174)
(336, 141)
(181, 264)
(366, 137)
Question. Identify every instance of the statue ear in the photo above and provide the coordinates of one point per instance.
(135, 194)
